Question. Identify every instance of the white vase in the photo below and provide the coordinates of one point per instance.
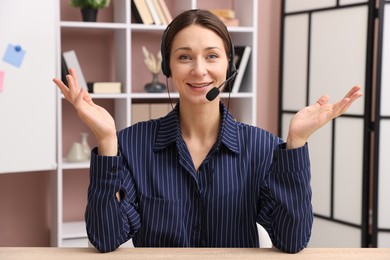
(76, 153)
(85, 145)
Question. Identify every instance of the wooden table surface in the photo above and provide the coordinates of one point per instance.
(53, 253)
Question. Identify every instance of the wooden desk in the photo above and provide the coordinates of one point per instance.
(52, 253)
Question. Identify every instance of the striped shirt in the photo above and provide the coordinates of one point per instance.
(248, 176)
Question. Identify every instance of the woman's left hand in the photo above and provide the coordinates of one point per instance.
(309, 119)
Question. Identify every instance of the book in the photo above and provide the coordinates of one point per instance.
(230, 21)
(102, 87)
(165, 10)
(153, 12)
(71, 61)
(225, 13)
(242, 54)
(227, 16)
(141, 12)
(160, 12)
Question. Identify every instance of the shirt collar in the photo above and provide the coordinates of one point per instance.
(169, 130)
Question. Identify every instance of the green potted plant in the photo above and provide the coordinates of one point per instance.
(89, 8)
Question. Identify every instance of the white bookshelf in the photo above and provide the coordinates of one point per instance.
(125, 36)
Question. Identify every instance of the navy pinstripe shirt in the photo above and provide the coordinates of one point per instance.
(247, 177)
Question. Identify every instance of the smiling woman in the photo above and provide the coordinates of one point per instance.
(197, 177)
(196, 66)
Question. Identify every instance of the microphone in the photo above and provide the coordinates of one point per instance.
(214, 92)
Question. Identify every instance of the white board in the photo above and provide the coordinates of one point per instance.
(27, 94)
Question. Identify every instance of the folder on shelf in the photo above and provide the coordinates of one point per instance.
(71, 61)
(141, 12)
(241, 59)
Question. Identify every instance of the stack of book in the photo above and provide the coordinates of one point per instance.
(69, 60)
(228, 16)
(111, 87)
(151, 12)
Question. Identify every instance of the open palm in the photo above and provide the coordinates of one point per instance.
(94, 116)
(310, 118)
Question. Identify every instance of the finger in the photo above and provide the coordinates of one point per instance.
(79, 98)
(72, 72)
(351, 96)
(87, 97)
(355, 89)
(73, 89)
(323, 100)
(357, 94)
(61, 85)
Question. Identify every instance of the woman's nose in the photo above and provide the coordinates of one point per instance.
(199, 67)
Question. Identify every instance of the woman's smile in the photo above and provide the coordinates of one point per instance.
(199, 85)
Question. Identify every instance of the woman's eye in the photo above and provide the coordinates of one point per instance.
(212, 56)
(184, 57)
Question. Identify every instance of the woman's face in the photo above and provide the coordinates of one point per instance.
(198, 63)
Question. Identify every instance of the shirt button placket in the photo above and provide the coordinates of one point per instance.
(198, 220)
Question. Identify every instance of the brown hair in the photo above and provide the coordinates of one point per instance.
(200, 17)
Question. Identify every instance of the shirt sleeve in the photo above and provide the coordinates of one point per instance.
(286, 211)
(110, 222)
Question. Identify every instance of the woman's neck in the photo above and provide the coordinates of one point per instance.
(199, 126)
(200, 121)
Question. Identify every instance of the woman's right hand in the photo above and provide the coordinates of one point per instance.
(94, 116)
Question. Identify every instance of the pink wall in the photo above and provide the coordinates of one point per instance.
(24, 209)
(25, 197)
(268, 64)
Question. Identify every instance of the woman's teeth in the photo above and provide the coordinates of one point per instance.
(200, 85)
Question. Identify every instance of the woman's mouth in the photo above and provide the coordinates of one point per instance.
(199, 85)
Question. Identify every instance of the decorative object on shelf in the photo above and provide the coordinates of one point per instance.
(154, 65)
(76, 153)
(85, 145)
(80, 151)
(89, 8)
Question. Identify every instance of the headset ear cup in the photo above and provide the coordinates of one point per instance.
(165, 67)
(164, 62)
(232, 65)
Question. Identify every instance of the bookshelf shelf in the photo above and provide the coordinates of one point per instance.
(97, 25)
(69, 166)
(144, 28)
(110, 50)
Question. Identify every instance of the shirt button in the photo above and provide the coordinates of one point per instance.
(113, 170)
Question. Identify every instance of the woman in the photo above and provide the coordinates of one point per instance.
(196, 177)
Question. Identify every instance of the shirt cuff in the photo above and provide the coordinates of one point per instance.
(105, 167)
(291, 160)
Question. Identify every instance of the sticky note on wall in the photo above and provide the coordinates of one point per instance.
(14, 55)
(1, 80)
